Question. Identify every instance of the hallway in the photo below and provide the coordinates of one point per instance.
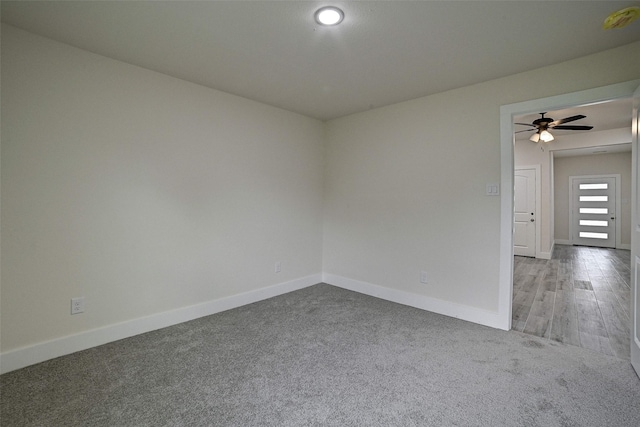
(579, 297)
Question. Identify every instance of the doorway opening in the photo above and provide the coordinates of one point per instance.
(577, 295)
(508, 112)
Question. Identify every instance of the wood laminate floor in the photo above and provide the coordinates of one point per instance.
(579, 297)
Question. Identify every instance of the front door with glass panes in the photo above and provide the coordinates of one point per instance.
(593, 211)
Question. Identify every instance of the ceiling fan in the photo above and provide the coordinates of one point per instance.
(543, 124)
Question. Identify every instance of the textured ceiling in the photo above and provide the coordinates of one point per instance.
(383, 53)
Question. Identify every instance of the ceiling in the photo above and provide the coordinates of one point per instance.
(588, 151)
(384, 52)
(602, 116)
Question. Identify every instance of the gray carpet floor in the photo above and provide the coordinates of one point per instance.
(324, 356)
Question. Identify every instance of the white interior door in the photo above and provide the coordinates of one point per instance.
(635, 239)
(593, 211)
(524, 232)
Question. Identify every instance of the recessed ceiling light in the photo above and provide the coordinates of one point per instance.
(329, 15)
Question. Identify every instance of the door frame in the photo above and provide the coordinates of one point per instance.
(536, 169)
(617, 223)
(635, 233)
(507, 168)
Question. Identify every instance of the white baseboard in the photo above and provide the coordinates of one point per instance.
(544, 255)
(625, 246)
(29, 355)
(459, 311)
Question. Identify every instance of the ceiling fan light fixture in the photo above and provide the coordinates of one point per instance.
(329, 15)
(546, 136)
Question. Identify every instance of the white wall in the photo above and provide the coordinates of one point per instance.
(405, 186)
(527, 153)
(596, 164)
(142, 192)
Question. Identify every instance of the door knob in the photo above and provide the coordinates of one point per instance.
(532, 220)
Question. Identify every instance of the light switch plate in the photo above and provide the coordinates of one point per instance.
(493, 189)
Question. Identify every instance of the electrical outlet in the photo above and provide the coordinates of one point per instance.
(77, 305)
(278, 267)
(423, 277)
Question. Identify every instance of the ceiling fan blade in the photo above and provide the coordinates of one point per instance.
(526, 130)
(567, 120)
(523, 124)
(573, 127)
